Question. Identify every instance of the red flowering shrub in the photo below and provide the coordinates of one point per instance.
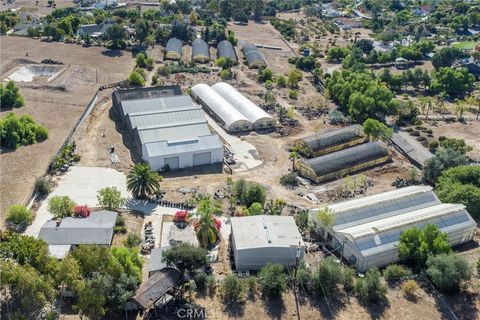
(181, 216)
(218, 223)
(82, 211)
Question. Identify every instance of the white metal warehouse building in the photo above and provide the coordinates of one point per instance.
(367, 230)
(256, 115)
(259, 240)
(170, 132)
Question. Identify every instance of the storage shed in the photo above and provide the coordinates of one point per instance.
(225, 50)
(327, 142)
(367, 230)
(200, 51)
(253, 55)
(338, 164)
(256, 115)
(220, 109)
(259, 240)
(173, 49)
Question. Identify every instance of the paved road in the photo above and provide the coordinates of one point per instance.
(243, 152)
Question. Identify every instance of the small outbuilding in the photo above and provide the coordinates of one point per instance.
(259, 240)
(341, 163)
(256, 115)
(327, 142)
(220, 109)
(173, 49)
(200, 51)
(254, 57)
(225, 50)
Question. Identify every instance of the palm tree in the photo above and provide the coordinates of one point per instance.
(440, 104)
(460, 108)
(142, 181)
(206, 228)
(474, 101)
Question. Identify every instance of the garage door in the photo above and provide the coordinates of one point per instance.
(202, 158)
(172, 162)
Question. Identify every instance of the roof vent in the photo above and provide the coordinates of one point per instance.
(58, 222)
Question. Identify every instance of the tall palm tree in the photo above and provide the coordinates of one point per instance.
(206, 228)
(142, 181)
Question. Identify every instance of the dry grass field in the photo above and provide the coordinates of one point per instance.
(56, 104)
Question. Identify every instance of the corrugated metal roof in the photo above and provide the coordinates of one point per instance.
(122, 95)
(265, 231)
(167, 119)
(246, 107)
(155, 105)
(201, 143)
(174, 132)
(96, 229)
(225, 49)
(156, 257)
(221, 107)
(151, 290)
(347, 158)
(325, 140)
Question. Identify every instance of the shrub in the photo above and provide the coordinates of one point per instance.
(185, 257)
(293, 94)
(409, 288)
(61, 206)
(272, 280)
(395, 272)
(132, 241)
(255, 209)
(18, 213)
(289, 179)
(348, 279)
(120, 221)
(21, 130)
(200, 279)
(433, 145)
(302, 221)
(370, 289)
(43, 186)
(76, 157)
(82, 211)
(265, 74)
(120, 229)
(281, 81)
(304, 279)
(231, 289)
(180, 216)
(136, 79)
(10, 96)
(327, 277)
(251, 283)
(336, 117)
(211, 285)
(447, 271)
(110, 198)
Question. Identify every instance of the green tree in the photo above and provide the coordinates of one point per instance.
(396, 272)
(371, 289)
(140, 60)
(375, 130)
(18, 213)
(25, 250)
(142, 181)
(61, 206)
(207, 232)
(455, 144)
(10, 96)
(272, 280)
(281, 81)
(327, 277)
(92, 259)
(325, 220)
(294, 77)
(110, 198)
(240, 16)
(417, 244)
(117, 35)
(130, 261)
(302, 220)
(453, 81)
(255, 209)
(232, 289)
(185, 257)
(21, 130)
(445, 57)
(265, 74)
(141, 30)
(136, 79)
(443, 160)
(447, 271)
(254, 192)
(337, 54)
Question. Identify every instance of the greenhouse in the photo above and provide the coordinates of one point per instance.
(200, 51)
(256, 115)
(322, 143)
(367, 230)
(225, 50)
(253, 55)
(341, 163)
(220, 109)
(173, 49)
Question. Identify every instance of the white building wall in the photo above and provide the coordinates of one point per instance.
(185, 159)
(257, 258)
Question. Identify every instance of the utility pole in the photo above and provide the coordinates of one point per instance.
(297, 259)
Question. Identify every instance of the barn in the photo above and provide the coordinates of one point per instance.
(220, 109)
(367, 230)
(173, 49)
(253, 55)
(259, 240)
(322, 143)
(170, 132)
(225, 50)
(341, 163)
(200, 51)
(256, 115)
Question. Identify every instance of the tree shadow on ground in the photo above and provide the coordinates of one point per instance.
(376, 310)
(112, 53)
(235, 309)
(328, 307)
(275, 307)
(462, 305)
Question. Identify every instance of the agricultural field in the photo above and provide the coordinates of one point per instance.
(56, 104)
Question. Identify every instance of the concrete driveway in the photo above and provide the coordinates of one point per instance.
(243, 152)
